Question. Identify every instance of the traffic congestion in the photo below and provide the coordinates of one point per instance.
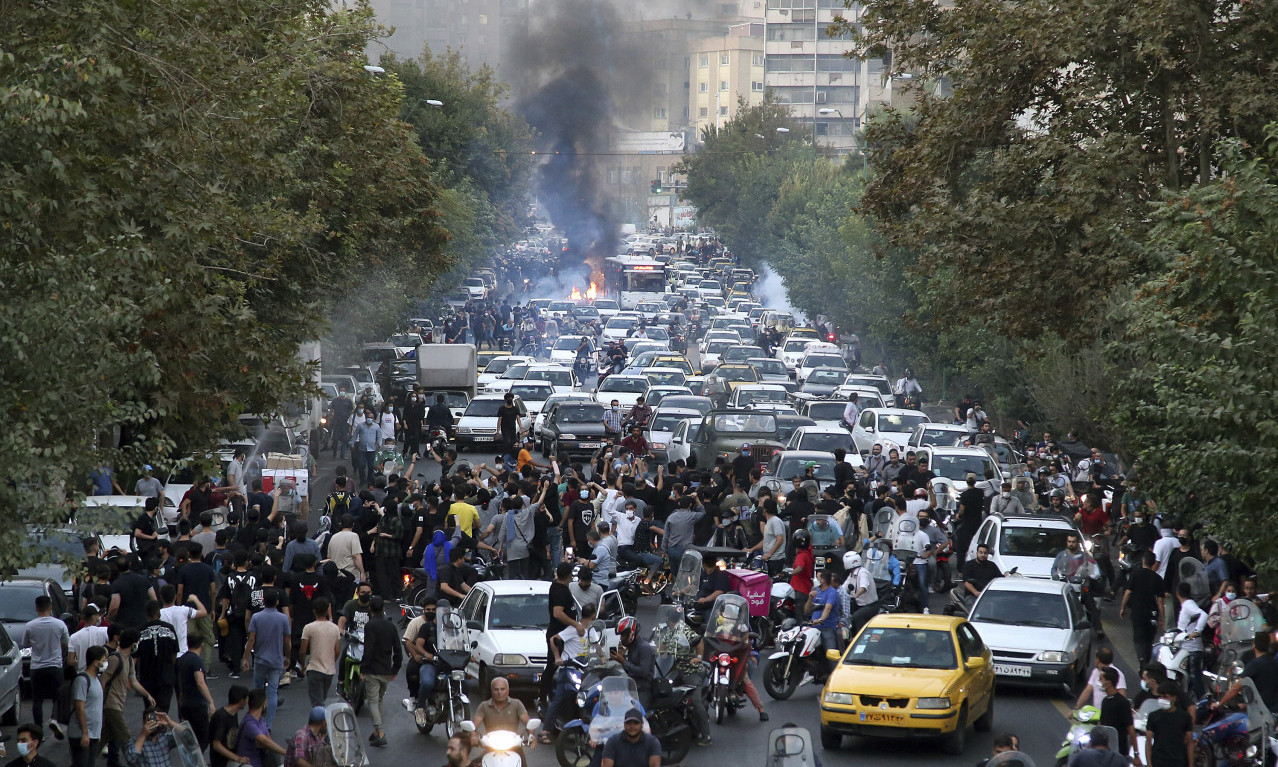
(616, 520)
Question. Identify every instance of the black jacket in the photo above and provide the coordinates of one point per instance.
(382, 652)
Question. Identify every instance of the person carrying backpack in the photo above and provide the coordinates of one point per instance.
(341, 501)
(80, 704)
(236, 599)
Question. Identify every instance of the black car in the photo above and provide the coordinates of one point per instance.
(397, 379)
(573, 428)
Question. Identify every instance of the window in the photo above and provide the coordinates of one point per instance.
(723, 110)
(756, 86)
(784, 32)
(705, 61)
(703, 112)
(703, 87)
(758, 60)
(483, 18)
(725, 59)
(828, 63)
(806, 17)
(823, 129)
(659, 90)
(790, 63)
(970, 642)
(723, 85)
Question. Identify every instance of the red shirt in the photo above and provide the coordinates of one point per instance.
(1093, 522)
(801, 579)
(637, 445)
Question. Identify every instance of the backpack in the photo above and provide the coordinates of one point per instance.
(339, 503)
(65, 705)
(241, 587)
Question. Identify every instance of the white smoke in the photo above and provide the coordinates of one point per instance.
(770, 290)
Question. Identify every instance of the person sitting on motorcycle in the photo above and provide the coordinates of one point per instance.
(825, 610)
(637, 658)
(861, 594)
(977, 574)
(676, 639)
(500, 712)
(907, 389)
(714, 583)
(421, 655)
(636, 443)
(804, 563)
(640, 414)
(1076, 566)
(439, 415)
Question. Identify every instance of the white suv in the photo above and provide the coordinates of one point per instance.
(1029, 543)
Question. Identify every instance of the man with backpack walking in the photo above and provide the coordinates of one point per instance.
(118, 678)
(236, 600)
(86, 709)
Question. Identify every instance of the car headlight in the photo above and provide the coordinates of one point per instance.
(509, 659)
(567, 436)
(1056, 656)
(659, 445)
(842, 698)
(463, 430)
(934, 703)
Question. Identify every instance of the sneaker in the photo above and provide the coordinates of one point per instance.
(763, 716)
(286, 680)
(378, 742)
(408, 704)
(211, 675)
(234, 675)
(704, 741)
(56, 728)
(420, 716)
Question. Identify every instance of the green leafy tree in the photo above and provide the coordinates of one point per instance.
(1201, 337)
(187, 188)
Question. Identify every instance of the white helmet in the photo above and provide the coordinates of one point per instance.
(851, 561)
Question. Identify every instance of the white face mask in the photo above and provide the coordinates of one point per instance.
(1231, 595)
(1006, 494)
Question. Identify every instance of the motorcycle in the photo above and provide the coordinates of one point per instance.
(577, 678)
(449, 704)
(1236, 738)
(350, 682)
(607, 703)
(1169, 650)
(727, 646)
(437, 439)
(799, 652)
(1082, 723)
(684, 587)
(789, 745)
(1080, 571)
(503, 746)
(671, 717)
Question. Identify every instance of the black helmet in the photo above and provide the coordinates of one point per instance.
(802, 539)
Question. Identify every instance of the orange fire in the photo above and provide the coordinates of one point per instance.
(576, 294)
(592, 292)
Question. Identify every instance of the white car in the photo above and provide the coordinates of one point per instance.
(951, 465)
(940, 434)
(662, 426)
(478, 425)
(712, 351)
(565, 349)
(867, 396)
(533, 394)
(791, 352)
(506, 626)
(818, 359)
(506, 380)
(825, 438)
(607, 307)
(618, 327)
(886, 425)
(707, 289)
(643, 347)
(1028, 543)
(500, 365)
(650, 309)
(725, 334)
(540, 421)
(1037, 631)
(748, 395)
(826, 412)
(664, 376)
(685, 433)
(878, 382)
(657, 393)
(476, 288)
(406, 342)
(626, 389)
(558, 376)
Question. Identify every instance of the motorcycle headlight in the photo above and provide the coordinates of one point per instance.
(843, 698)
(1087, 544)
(934, 703)
(458, 676)
(575, 676)
(581, 700)
(1056, 656)
(567, 436)
(509, 659)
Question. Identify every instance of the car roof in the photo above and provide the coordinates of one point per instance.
(916, 621)
(483, 397)
(762, 386)
(502, 588)
(954, 427)
(683, 411)
(819, 429)
(934, 450)
(893, 411)
(1033, 520)
(1035, 585)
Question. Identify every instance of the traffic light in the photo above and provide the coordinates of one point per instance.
(656, 187)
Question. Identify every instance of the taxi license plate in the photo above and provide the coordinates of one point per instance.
(881, 717)
(482, 438)
(590, 444)
(1007, 669)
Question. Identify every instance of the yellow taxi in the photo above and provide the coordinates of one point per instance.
(482, 358)
(673, 361)
(908, 676)
(734, 374)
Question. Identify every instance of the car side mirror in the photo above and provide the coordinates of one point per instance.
(6, 660)
(1083, 625)
(474, 625)
(833, 655)
(974, 664)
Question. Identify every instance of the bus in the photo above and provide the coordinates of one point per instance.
(635, 279)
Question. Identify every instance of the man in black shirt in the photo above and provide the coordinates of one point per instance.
(1262, 671)
(977, 573)
(508, 425)
(714, 582)
(1169, 732)
(1116, 710)
(129, 595)
(1144, 598)
(383, 655)
(971, 509)
(452, 577)
(1141, 534)
(563, 613)
(224, 728)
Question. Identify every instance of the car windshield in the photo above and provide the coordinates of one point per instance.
(710, 284)
(500, 365)
(606, 304)
(17, 601)
(516, 372)
(878, 383)
(483, 408)
(451, 398)
(786, 466)
(797, 345)
(899, 421)
(518, 611)
(555, 377)
(404, 368)
(826, 411)
(826, 441)
(405, 340)
(667, 422)
(621, 323)
(745, 423)
(560, 306)
(531, 393)
(825, 361)
(667, 377)
(739, 353)
(826, 377)
(717, 347)
(934, 436)
(569, 344)
(627, 385)
(761, 395)
(769, 367)
(583, 413)
(1032, 541)
(957, 467)
(702, 405)
(743, 373)
(473, 282)
(657, 334)
(1022, 608)
(671, 362)
(902, 648)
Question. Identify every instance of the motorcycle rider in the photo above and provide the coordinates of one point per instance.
(1075, 565)
(859, 589)
(421, 660)
(439, 415)
(637, 658)
(640, 413)
(907, 386)
(1093, 521)
(675, 638)
(977, 574)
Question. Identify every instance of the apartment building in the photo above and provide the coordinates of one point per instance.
(724, 72)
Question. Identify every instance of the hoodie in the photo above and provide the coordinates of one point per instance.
(431, 558)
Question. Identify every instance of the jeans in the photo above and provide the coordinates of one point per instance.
(197, 718)
(921, 570)
(860, 617)
(1194, 674)
(700, 719)
(555, 542)
(426, 677)
(268, 677)
(81, 756)
(363, 461)
(629, 556)
(317, 687)
(374, 697)
(44, 686)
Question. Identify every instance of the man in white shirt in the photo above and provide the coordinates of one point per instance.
(573, 638)
(922, 551)
(859, 588)
(1163, 548)
(1191, 621)
(852, 410)
(923, 499)
(1093, 691)
(177, 616)
(625, 520)
(94, 634)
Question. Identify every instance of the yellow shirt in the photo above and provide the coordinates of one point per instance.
(467, 517)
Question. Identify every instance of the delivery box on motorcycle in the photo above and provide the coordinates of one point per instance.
(755, 587)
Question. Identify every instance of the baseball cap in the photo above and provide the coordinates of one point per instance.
(920, 493)
(634, 715)
(317, 714)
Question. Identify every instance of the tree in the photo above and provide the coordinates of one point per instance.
(1201, 336)
(187, 188)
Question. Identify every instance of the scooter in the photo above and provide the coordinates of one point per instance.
(1082, 722)
(1169, 651)
(350, 682)
(503, 746)
(449, 704)
(344, 741)
(799, 652)
(1236, 738)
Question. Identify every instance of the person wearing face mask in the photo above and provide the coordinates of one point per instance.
(366, 438)
(356, 612)
(1006, 503)
(1140, 533)
(86, 719)
(413, 415)
(30, 737)
(612, 421)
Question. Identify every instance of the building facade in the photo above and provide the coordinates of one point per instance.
(481, 30)
(724, 72)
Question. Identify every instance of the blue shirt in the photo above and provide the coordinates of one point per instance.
(826, 596)
(271, 626)
(367, 436)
